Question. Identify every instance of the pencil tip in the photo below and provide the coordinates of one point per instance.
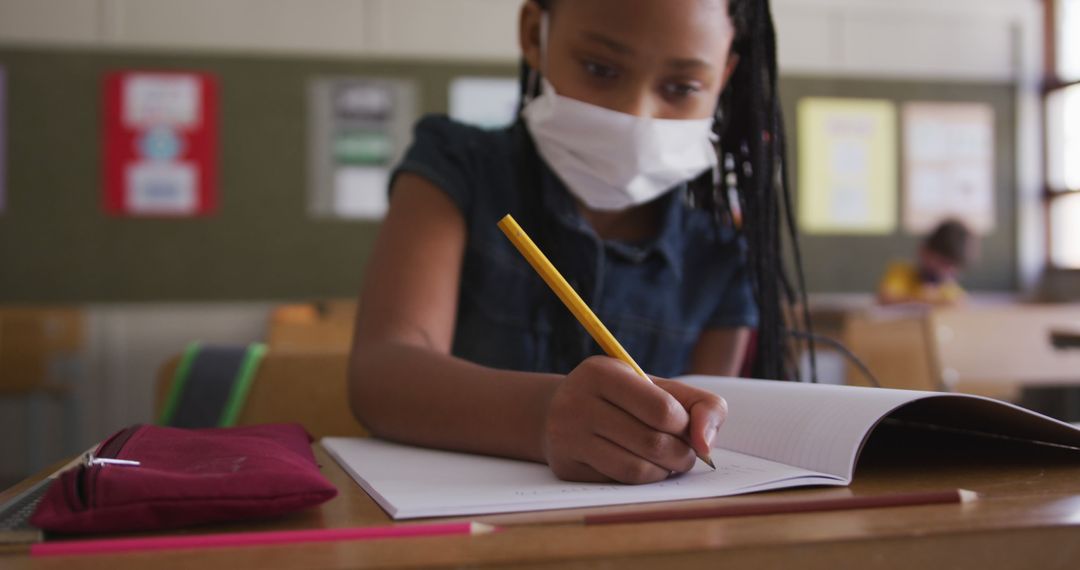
(481, 528)
(708, 461)
(967, 496)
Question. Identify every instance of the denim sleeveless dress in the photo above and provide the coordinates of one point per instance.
(656, 297)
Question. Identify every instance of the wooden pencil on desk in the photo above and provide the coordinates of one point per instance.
(787, 507)
(571, 299)
(247, 539)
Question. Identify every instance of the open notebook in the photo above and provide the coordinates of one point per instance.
(777, 434)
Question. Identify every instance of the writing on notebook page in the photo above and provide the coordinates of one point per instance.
(698, 476)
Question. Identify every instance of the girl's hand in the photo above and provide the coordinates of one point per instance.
(606, 423)
(707, 413)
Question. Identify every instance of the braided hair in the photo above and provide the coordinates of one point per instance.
(752, 193)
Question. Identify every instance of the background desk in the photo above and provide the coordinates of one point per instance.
(1030, 518)
(989, 349)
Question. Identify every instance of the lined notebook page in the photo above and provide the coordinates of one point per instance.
(777, 434)
(411, 482)
(814, 426)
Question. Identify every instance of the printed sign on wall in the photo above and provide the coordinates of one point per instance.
(847, 166)
(359, 128)
(160, 144)
(948, 165)
(487, 102)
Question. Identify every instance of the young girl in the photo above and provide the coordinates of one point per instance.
(649, 131)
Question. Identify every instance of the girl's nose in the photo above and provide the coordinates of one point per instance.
(640, 103)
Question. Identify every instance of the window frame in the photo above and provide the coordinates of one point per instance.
(1053, 84)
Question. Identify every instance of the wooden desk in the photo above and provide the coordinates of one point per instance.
(1065, 336)
(1029, 518)
(992, 350)
(1007, 343)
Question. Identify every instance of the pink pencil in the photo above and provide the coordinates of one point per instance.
(235, 539)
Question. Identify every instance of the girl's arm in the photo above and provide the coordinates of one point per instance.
(404, 385)
(720, 352)
(600, 422)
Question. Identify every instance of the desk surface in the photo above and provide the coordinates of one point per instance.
(1029, 517)
(1066, 335)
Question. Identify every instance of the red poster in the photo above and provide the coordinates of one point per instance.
(160, 144)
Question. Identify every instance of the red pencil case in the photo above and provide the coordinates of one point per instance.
(150, 477)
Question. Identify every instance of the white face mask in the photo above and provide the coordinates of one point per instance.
(612, 160)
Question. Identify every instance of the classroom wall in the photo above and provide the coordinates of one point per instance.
(396, 28)
(263, 244)
(56, 51)
(848, 37)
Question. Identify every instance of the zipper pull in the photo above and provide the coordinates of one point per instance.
(102, 461)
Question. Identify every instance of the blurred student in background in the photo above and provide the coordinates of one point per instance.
(932, 279)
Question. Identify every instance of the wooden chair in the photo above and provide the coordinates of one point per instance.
(895, 346)
(35, 342)
(318, 326)
(304, 387)
(41, 364)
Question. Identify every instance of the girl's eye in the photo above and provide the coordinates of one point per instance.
(680, 90)
(600, 70)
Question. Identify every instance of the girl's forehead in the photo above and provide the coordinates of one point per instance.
(702, 8)
(699, 28)
(708, 4)
(671, 17)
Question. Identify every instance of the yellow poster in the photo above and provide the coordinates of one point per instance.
(847, 166)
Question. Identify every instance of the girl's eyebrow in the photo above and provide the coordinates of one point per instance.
(610, 44)
(689, 64)
(682, 64)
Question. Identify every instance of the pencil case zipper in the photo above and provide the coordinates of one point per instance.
(106, 456)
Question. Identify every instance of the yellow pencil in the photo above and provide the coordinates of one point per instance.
(571, 299)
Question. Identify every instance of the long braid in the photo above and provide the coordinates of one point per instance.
(745, 134)
(798, 296)
(756, 135)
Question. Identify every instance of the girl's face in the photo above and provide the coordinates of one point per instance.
(666, 59)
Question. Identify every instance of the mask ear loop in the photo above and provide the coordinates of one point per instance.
(532, 85)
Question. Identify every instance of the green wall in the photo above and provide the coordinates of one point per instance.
(57, 245)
